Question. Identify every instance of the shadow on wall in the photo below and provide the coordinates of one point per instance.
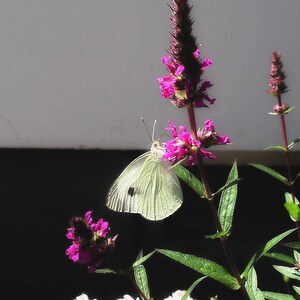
(42, 189)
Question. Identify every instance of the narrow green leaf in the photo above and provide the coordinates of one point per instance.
(297, 289)
(141, 259)
(289, 109)
(228, 200)
(275, 147)
(277, 296)
(297, 176)
(203, 266)
(295, 142)
(226, 186)
(107, 271)
(191, 288)
(216, 235)
(190, 179)
(266, 247)
(251, 286)
(290, 272)
(271, 172)
(297, 256)
(141, 279)
(280, 257)
(293, 245)
(293, 210)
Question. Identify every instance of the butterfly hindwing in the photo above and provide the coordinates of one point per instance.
(158, 189)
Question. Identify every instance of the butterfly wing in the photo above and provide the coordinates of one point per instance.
(122, 195)
(158, 189)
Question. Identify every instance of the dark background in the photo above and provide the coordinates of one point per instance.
(42, 189)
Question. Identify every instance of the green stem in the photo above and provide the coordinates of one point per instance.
(287, 159)
(212, 206)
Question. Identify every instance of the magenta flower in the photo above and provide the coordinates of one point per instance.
(185, 147)
(184, 91)
(90, 241)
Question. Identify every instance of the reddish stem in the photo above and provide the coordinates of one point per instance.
(287, 159)
(212, 206)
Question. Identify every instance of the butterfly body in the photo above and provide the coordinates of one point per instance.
(147, 186)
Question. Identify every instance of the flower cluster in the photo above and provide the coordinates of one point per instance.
(90, 241)
(184, 86)
(276, 83)
(175, 296)
(182, 90)
(184, 146)
(280, 109)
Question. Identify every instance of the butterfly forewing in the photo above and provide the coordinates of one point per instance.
(122, 195)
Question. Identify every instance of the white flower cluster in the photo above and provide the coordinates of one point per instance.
(175, 296)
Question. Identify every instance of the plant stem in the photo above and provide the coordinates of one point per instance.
(212, 206)
(287, 159)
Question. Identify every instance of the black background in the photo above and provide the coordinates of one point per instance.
(42, 189)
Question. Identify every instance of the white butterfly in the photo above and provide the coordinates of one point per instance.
(148, 186)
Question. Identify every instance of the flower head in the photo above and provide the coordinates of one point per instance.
(184, 146)
(277, 76)
(90, 241)
(178, 296)
(280, 109)
(184, 86)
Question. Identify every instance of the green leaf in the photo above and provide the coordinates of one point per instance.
(141, 279)
(297, 256)
(293, 210)
(107, 271)
(190, 179)
(297, 289)
(290, 272)
(289, 109)
(277, 296)
(271, 172)
(275, 147)
(216, 235)
(141, 258)
(228, 200)
(293, 245)
(203, 266)
(297, 176)
(251, 286)
(289, 198)
(191, 288)
(266, 247)
(280, 257)
(295, 142)
(226, 186)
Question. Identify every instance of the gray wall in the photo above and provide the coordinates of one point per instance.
(79, 74)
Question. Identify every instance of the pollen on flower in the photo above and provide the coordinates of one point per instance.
(91, 242)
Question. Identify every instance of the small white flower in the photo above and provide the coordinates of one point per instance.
(127, 297)
(178, 296)
(83, 297)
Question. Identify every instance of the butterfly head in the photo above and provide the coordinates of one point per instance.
(157, 150)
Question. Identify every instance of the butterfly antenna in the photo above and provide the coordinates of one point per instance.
(142, 118)
(153, 130)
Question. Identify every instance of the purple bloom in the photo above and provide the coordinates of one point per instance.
(185, 146)
(277, 76)
(90, 241)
